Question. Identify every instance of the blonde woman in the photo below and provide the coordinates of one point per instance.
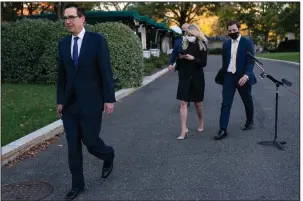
(191, 61)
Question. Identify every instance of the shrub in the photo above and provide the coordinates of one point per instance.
(215, 51)
(30, 51)
(47, 63)
(149, 68)
(289, 46)
(153, 63)
(125, 51)
(164, 59)
(22, 46)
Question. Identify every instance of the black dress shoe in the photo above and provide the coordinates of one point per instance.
(73, 193)
(248, 125)
(221, 134)
(108, 166)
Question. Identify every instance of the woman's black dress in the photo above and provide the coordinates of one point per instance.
(191, 84)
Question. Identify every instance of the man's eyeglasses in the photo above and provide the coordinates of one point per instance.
(70, 18)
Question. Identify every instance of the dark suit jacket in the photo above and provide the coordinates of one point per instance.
(92, 81)
(177, 49)
(244, 63)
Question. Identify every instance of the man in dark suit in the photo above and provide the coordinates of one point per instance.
(177, 45)
(238, 68)
(85, 88)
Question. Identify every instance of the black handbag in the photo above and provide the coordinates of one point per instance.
(219, 79)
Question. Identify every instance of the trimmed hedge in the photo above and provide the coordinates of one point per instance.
(30, 51)
(154, 63)
(125, 51)
(215, 51)
(289, 46)
(23, 44)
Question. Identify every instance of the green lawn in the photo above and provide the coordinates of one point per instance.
(287, 56)
(26, 108)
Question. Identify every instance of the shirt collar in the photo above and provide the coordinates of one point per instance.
(238, 39)
(80, 35)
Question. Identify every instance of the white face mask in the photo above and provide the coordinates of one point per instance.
(191, 38)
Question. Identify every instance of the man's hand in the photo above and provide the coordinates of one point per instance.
(171, 67)
(243, 80)
(59, 110)
(189, 57)
(109, 108)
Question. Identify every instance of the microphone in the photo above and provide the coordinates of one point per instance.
(247, 52)
(286, 82)
(261, 67)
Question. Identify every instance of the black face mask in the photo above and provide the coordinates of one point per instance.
(234, 36)
(183, 33)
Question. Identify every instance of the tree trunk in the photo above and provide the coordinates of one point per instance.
(59, 8)
(183, 13)
(182, 21)
(266, 40)
(22, 7)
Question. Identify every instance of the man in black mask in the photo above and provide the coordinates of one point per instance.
(238, 74)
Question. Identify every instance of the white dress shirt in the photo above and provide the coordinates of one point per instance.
(79, 42)
(229, 69)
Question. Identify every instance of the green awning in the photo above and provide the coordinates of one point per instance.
(113, 14)
(51, 16)
(102, 15)
(147, 20)
(93, 17)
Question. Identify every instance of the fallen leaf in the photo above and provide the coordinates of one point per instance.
(34, 151)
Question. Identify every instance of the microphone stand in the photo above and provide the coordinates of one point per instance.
(274, 142)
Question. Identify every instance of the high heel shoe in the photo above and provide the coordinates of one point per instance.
(183, 138)
(200, 130)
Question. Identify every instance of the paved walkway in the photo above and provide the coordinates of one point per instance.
(151, 164)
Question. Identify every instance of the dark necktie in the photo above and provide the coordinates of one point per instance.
(75, 52)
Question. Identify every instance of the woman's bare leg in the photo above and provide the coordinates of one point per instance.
(200, 116)
(183, 116)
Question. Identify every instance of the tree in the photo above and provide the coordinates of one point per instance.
(9, 10)
(177, 12)
(290, 13)
(59, 7)
(114, 6)
(261, 18)
(226, 13)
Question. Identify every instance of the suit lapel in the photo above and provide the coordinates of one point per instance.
(240, 46)
(69, 52)
(83, 49)
(69, 43)
(228, 53)
(229, 47)
(239, 51)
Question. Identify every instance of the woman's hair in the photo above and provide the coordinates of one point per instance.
(194, 30)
